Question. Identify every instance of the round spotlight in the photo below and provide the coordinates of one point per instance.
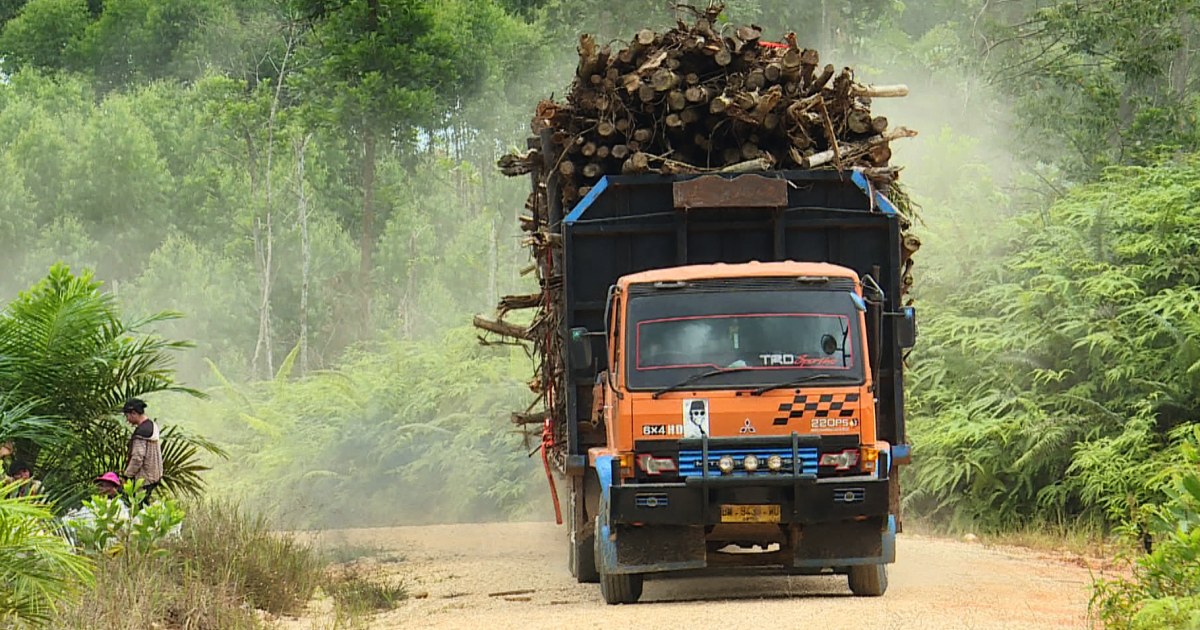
(750, 463)
(775, 463)
(725, 464)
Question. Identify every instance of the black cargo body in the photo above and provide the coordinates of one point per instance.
(629, 224)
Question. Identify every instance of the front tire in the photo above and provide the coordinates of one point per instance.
(621, 588)
(868, 580)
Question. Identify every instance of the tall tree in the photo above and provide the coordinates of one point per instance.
(382, 70)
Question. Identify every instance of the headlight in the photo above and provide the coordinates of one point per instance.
(725, 464)
(750, 463)
(775, 463)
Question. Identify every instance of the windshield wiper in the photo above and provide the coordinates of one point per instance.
(792, 383)
(698, 376)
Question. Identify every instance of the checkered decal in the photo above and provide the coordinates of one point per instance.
(818, 406)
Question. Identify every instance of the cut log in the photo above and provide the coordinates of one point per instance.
(637, 163)
(719, 104)
(818, 83)
(502, 328)
(676, 100)
(859, 121)
(880, 91)
(663, 80)
(519, 302)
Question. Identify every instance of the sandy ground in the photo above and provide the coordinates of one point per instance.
(514, 575)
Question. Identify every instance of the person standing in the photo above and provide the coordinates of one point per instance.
(145, 448)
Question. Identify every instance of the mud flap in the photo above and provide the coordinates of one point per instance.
(581, 549)
(623, 549)
(845, 544)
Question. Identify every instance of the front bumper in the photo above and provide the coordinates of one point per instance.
(698, 500)
(823, 523)
(803, 496)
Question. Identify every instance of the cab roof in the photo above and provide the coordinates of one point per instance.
(751, 269)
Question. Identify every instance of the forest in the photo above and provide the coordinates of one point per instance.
(296, 202)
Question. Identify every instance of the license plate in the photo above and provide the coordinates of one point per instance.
(749, 513)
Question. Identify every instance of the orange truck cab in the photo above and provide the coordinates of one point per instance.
(733, 378)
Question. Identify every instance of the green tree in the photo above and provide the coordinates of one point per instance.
(381, 70)
(136, 41)
(42, 34)
(1100, 83)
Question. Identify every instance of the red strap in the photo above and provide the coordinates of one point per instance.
(547, 444)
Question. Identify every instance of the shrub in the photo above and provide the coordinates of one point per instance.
(37, 567)
(356, 594)
(1164, 590)
(273, 572)
(105, 525)
(223, 565)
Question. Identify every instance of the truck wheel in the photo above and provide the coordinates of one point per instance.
(869, 580)
(621, 588)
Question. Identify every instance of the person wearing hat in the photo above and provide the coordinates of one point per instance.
(19, 473)
(107, 485)
(145, 448)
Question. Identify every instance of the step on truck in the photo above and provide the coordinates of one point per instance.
(734, 367)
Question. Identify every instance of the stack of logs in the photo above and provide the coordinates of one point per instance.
(699, 98)
(693, 99)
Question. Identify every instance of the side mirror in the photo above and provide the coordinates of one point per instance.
(580, 347)
(906, 327)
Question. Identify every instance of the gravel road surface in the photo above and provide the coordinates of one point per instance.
(514, 575)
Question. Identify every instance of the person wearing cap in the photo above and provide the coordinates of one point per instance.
(19, 473)
(145, 448)
(107, 485)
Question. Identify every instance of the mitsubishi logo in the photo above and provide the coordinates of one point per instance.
(747, 428)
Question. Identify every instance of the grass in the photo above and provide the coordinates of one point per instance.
(273, 572)
(225, 570)
(1080, 541)
(359, 595)
(224, 567)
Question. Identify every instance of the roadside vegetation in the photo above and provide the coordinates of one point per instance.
(69, 359)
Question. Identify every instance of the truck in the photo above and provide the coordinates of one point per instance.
(733, 353)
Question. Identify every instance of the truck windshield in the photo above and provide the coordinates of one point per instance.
(775, 335)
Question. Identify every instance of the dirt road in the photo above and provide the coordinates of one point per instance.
(513, 575)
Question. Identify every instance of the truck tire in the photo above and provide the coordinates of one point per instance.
(621, 588)
(868, 580)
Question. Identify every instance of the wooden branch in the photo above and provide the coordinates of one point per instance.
(502, 328)
(880, 91)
